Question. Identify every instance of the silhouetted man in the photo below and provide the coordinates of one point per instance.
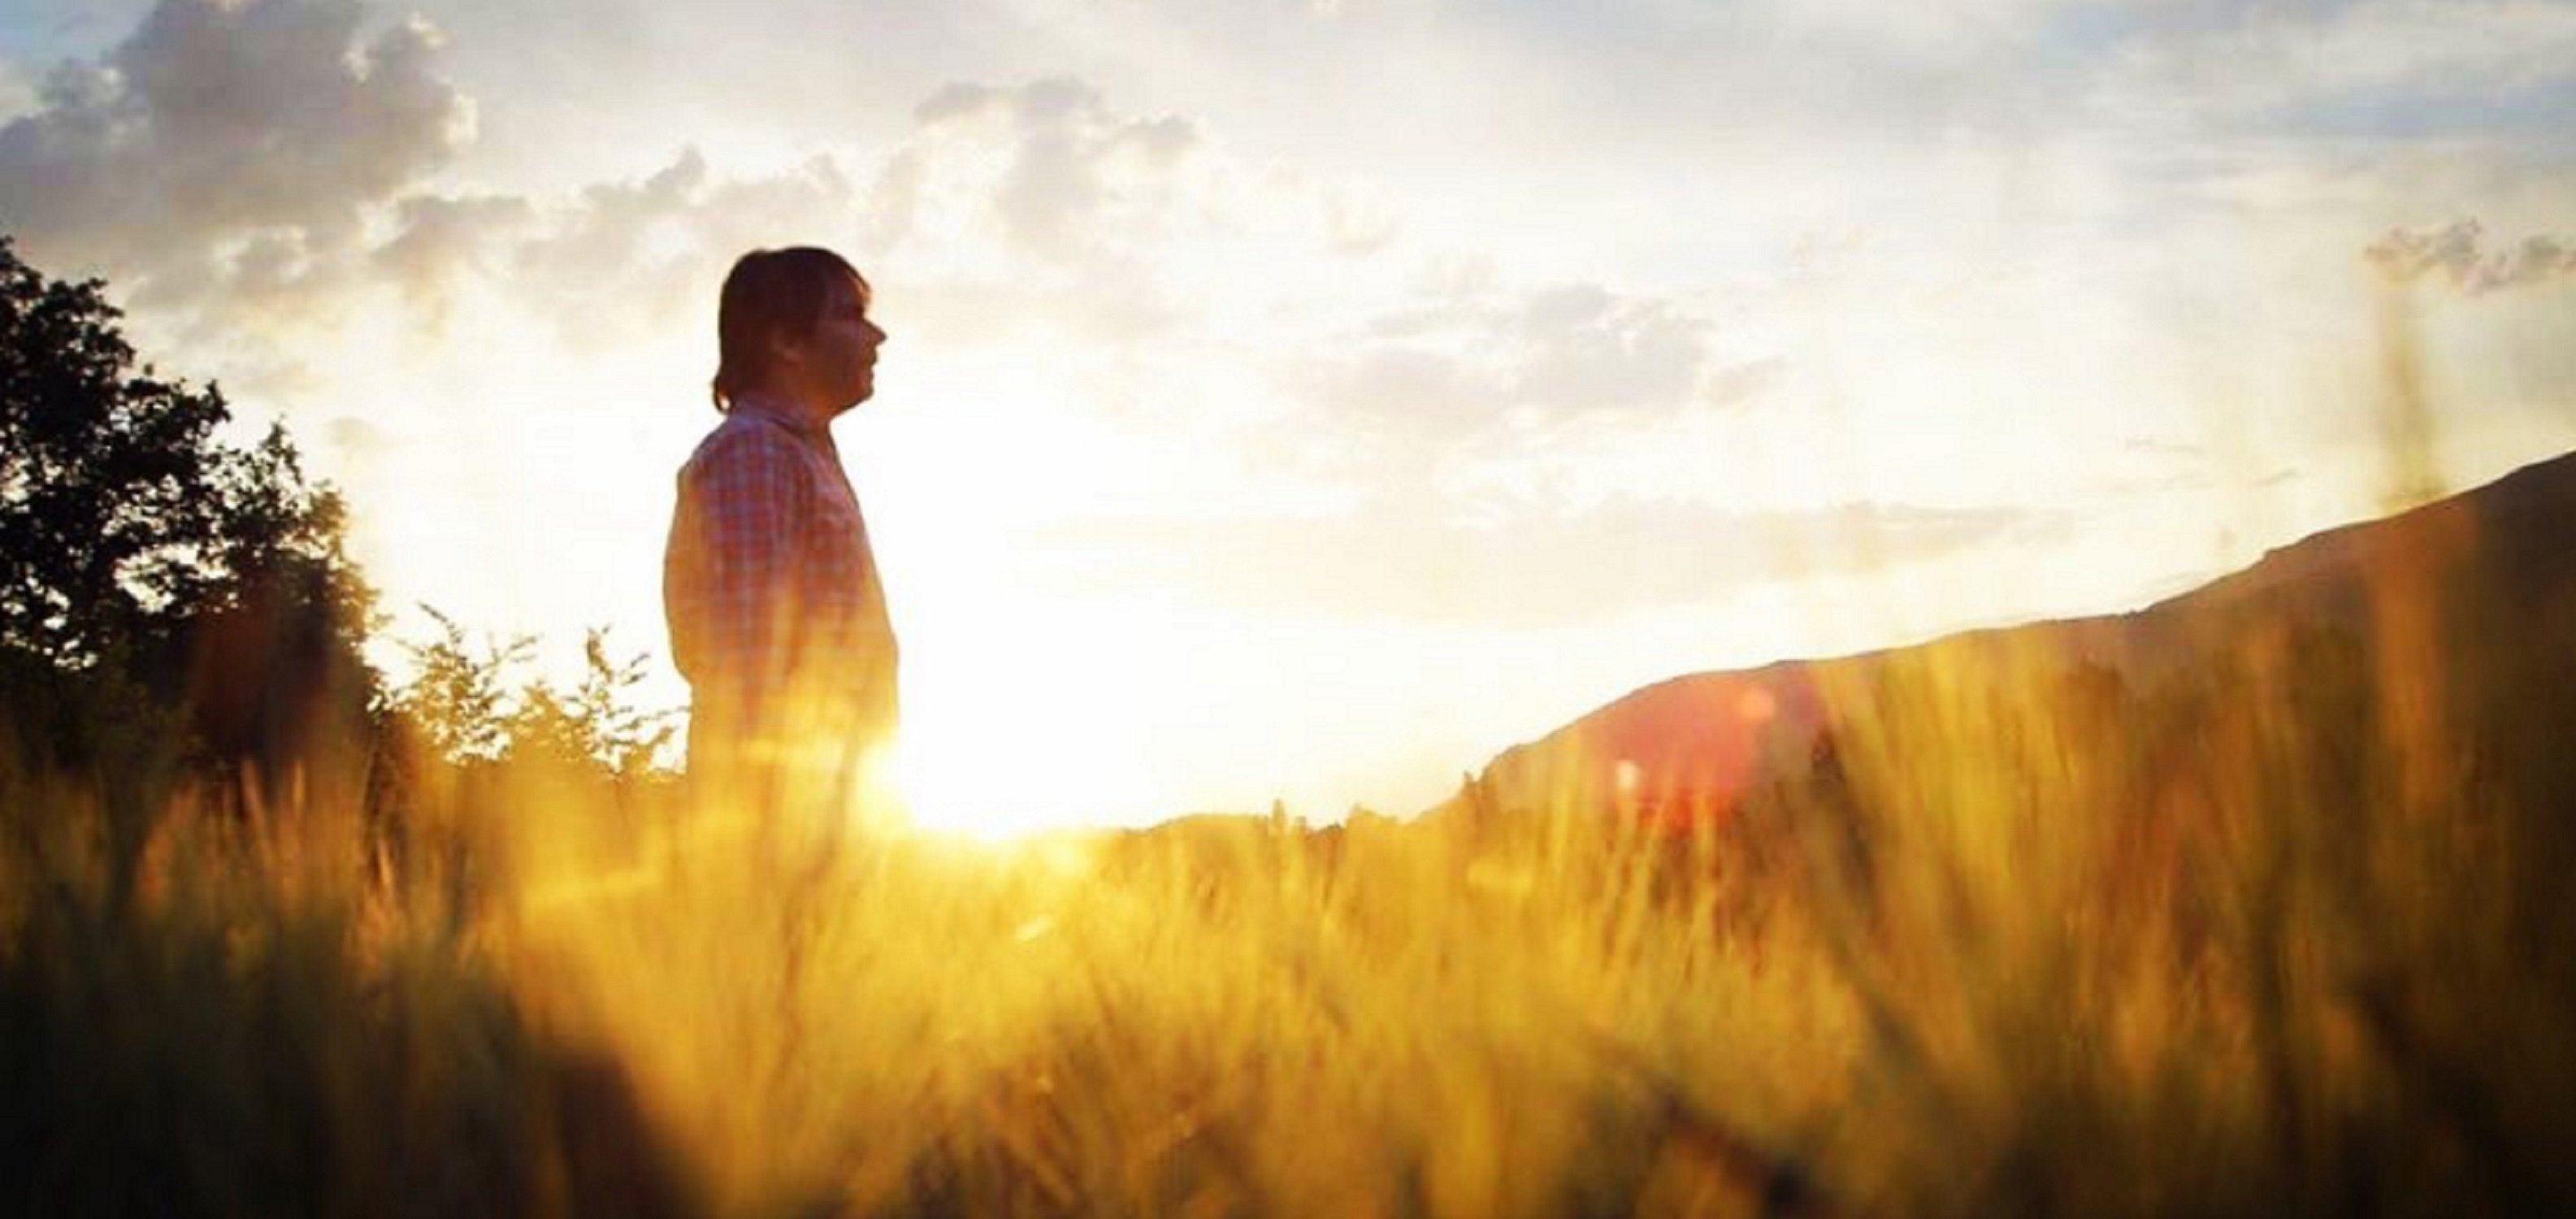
(777, 617)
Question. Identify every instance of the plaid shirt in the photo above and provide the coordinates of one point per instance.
(777, 619)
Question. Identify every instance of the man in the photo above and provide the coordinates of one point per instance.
(777, 617)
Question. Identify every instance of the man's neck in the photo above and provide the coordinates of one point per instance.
(804, 417)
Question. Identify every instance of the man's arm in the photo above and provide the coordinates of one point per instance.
(743, 508)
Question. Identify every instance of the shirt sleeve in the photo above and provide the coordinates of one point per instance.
(731, 579)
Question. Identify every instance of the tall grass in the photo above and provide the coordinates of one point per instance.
(2283, 928)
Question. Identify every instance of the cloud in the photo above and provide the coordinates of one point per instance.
(240, 169)
(1044, 211)
(1587, 349)
(357, 440)
(231, 147)
(1958, 33)
(2456, 255)
(1059, 174)
(18, 90)
(1485, 357)
(613, 221)
(248, 172)
(1411, 558)
(2392, 68)
(626, 259)
(440, 238)
(611, 262)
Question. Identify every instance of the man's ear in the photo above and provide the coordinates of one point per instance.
(784, 348)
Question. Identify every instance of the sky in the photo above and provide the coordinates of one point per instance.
(1307, 401)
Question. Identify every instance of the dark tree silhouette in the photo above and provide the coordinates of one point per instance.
(108, 477)
(165, 598)
(125, 523)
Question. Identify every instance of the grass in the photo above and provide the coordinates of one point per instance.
(2283, 931)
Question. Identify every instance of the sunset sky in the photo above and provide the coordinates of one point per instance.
(1312, 399)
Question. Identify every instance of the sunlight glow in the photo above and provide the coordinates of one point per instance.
(1002, 738)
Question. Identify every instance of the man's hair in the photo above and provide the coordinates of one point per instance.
(772, 292)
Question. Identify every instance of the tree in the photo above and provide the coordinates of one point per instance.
(596, 723)
(460, 704)
(162, 593)
(126, 527)
(110, 479)
(458, 699)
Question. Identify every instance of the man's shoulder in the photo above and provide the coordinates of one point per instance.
(744, 439)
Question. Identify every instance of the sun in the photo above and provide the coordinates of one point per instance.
(1006, 735)
(1029, 703)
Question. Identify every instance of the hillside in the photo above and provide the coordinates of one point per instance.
(1694, 746)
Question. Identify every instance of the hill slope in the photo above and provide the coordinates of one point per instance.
(1692, 747)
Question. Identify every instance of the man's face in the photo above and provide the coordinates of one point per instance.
(835, 366)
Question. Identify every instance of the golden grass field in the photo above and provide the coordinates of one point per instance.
(2285, 930)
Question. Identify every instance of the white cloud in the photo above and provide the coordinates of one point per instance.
(1957, 33)
(1059, 175)
(1411, 556)
(1441, 371)
(233, 148)
(578, 91)
(439, 238)
(18, 90)
(2405, 66)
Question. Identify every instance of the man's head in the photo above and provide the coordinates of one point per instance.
(794, 323)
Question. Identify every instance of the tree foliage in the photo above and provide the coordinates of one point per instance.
(458, 697)
(462, 701)
(597, 721)
(127, 525)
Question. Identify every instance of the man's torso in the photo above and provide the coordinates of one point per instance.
(776, 611)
